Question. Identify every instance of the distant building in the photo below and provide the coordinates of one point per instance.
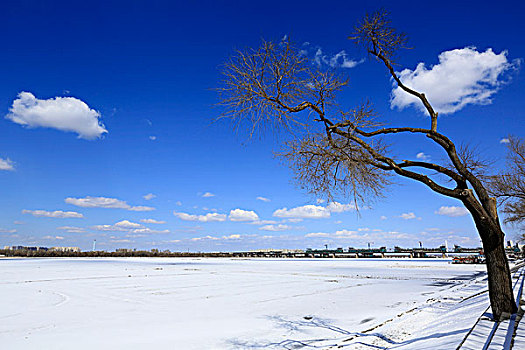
(125, 250)
(20, 247)
(66, 249)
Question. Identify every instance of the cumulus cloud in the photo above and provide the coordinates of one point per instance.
(149, 196)
(129, 227)
(53, 214)
(126, 224)
(383, 217)
(462, 76)
(452, 211)
(243, 215)
(313, 211)
(422, 156)
(279, 227)
(234, 236)
(408, 216)
(209, 217)
(263, 199)
(104, 202)
(502, 141)
(306, 211)
(6, 164)
(152, 221)
(62, 113)
(208, 195)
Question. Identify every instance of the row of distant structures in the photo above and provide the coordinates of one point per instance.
(513, 250)
(44, 249)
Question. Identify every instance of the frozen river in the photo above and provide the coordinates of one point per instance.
(176, 303)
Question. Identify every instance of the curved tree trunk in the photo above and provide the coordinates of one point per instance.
(500, 284)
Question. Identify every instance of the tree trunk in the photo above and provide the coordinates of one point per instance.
(500, 283)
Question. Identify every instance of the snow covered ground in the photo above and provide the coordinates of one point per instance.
(175, 303)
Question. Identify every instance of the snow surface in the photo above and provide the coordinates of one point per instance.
(177, 303)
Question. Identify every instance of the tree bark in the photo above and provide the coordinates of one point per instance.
(500, 283)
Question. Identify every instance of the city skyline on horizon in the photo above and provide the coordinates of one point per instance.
(110, 132)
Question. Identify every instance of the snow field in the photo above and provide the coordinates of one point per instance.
(140, 303)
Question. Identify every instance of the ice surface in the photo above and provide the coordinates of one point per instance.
(176, 303)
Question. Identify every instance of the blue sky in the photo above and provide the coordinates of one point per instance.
(144, 74)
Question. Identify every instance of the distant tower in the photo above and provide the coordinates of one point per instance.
(446, 245)
(94, 245)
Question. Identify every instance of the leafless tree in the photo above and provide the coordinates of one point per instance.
(509, 187)
(338, 152)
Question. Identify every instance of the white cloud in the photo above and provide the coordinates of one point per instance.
(235, 236)
(129, 227)
(263, 222)
(153, 138)
(6, 164)
(72, 229)
(274, 228)
(243, 215)
(152, 221)
(53, 214)
(179, 203)
(383, 217)
(208, 195)
(339, 60)
(110, 228)
(320, 200)
(504, 140)
(313, 211)
(348, 234)
(126, 224)
(149, 196)
(305, 212)
(3, 230)
(62, 113)
(104, 202)
(205, 238)
(53, 237)
(452, 211)
(210, 217)
(317, 234)
(148, 230)
(264, 199)
(336, 207)
(408, 216)
(140, 208)
(422, 156)
(462, 76)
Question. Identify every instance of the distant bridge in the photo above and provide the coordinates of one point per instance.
(381, 252)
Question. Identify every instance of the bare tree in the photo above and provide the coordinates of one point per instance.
(509, 187)
(338, 152)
